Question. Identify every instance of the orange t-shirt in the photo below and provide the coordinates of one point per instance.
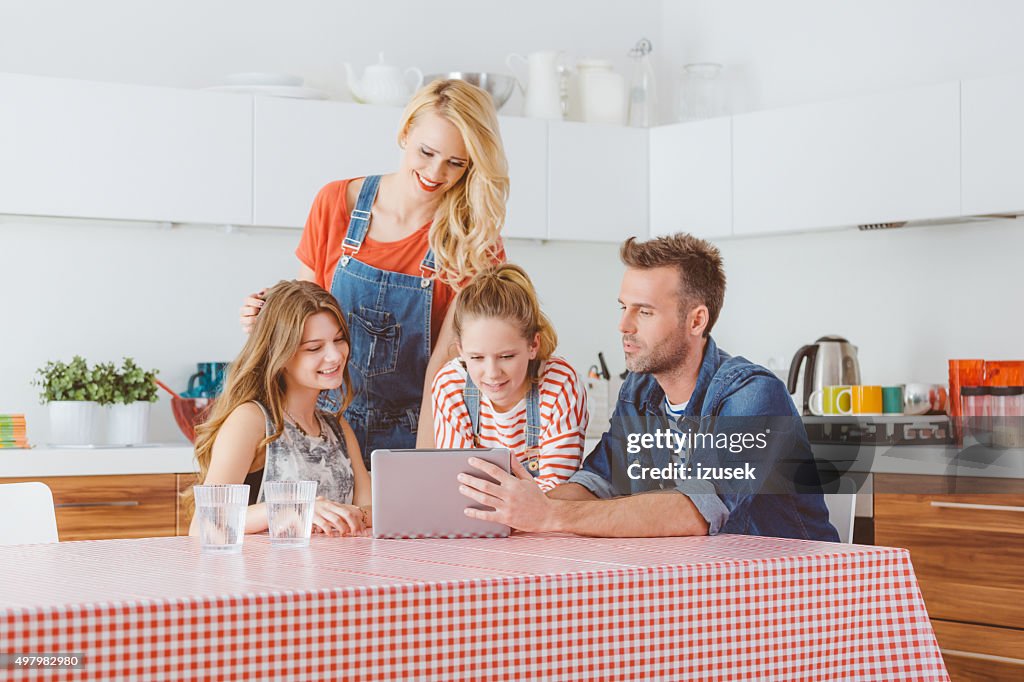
(320, 249)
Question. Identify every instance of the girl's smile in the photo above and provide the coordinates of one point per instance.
(498, 359)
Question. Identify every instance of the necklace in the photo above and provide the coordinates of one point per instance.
(295, 422)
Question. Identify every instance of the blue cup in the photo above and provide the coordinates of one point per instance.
(208, 381)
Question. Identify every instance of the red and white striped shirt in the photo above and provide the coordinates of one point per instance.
(563, 420)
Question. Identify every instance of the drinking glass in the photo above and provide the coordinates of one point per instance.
(221, 509)
(290, 511)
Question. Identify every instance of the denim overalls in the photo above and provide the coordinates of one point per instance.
(471, 394)
(388, 317)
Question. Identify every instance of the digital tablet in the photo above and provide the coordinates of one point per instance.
(416, 493)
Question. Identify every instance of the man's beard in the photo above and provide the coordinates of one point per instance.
(661, 359)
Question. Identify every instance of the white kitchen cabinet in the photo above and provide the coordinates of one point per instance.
(691, 178)
(301, 145)
(107, 150)
(993, 145)
(597, 182)
(526, 146)
(880, 158)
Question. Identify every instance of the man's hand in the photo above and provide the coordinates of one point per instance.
(516, 498)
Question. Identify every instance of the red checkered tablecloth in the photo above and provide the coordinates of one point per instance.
(537, 607)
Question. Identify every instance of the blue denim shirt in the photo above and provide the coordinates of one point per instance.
(733, 397)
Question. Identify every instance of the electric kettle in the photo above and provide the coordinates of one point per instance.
(831, 361)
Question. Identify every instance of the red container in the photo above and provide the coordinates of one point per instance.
(190, 413)
(1004, 373)
(962, 373)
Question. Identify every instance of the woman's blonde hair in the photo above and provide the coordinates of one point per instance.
(466, 231)
(505, 292)
(258, 371)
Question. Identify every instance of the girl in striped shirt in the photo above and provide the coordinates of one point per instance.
(506, 389)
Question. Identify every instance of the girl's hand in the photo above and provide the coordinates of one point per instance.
(251, 307)
(330, 517)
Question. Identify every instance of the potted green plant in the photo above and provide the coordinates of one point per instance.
(71, 394)
(129, 391)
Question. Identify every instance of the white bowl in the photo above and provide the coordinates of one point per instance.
(263, 78)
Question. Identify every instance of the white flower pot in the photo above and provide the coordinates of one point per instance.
(73, 422)
(128, 424)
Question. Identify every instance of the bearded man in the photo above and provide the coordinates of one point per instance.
(700, 442)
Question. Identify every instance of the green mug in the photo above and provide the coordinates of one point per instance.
(892, 399)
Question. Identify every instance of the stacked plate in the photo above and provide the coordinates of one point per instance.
(268, 84)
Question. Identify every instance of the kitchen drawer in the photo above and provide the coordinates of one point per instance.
(184, 514)
(105, 507)
(967, 548)
(991, 505)
(979, 652)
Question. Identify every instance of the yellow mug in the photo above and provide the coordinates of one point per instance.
(867, 399)
(831, 400)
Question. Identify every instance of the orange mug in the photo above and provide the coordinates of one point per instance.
(866, 399)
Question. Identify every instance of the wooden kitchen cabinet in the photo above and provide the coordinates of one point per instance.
(691, 178)
(597, 182)
(301, 145)
(993, 143)
(873, 159)
(107, 507)
(184, 511)
(968, 551)
(127, 152)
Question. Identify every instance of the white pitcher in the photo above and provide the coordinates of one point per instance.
(543, 89)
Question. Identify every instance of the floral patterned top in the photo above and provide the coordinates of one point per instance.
(295, 456)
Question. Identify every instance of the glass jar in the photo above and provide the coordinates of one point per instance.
(701, 93)
(642, 99)
(977, 415)
(1007, 409)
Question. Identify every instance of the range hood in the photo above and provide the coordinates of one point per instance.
(957, 220)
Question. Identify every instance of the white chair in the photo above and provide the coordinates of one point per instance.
(841, 509)
(26, 510)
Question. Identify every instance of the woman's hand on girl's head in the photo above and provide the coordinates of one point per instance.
(330, 517)
(251, 307)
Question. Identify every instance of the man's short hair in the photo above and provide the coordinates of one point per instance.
(699, 263)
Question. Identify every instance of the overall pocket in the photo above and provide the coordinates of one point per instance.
(375, 339)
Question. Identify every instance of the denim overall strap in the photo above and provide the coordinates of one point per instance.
(388, 315)
(533, 417)
(359, 219)
(427, 269)
(471, 396)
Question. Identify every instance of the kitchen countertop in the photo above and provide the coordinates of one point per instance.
(169, 458)
(159, 458)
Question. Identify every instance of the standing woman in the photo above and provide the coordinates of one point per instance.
(395, 249)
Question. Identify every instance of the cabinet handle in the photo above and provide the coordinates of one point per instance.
(982, 657)
(65, 505)
(984, 507)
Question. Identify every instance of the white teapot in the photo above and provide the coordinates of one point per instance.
(383, 84)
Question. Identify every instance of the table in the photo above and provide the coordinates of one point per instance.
(532, 606)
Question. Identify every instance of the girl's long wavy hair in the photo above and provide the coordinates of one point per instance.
(258, 371)
(505, 292)
(466, 231)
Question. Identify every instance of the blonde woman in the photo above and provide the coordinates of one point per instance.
(506, 388)
(265, 426)
(395, 249)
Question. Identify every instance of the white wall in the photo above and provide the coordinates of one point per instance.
(193, 43)
(170, 298)
(787, 52)
(909, 298)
